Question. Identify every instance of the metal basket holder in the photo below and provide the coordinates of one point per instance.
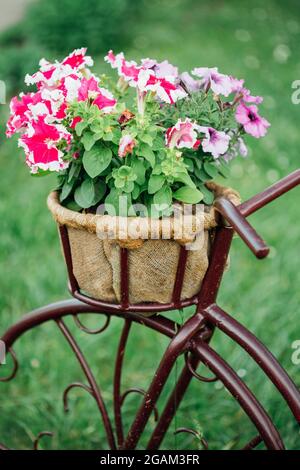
(190, 339)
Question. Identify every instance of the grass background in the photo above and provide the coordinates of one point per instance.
(255, 40)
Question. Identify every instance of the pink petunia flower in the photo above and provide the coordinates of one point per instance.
(183, 134)
(148, 77)
(114, 60)
(75, 121)
(211, 78)
(50, 74)
(105, 100)
(236, 84)
(166, 90)
(215, 142)
(88, 89)
(251, 121)
(126, 145)
(69, 86)
(243, 93)
(40, 143)
(77, 60)
(128, 70)
(29, 107)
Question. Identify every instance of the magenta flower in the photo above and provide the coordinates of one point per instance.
(88, 89)
(211, 78)
(75, 121)
(183, 134)
(51, 73)
(243, 93)
(248, 98)
(77, 60)
(105, 100)
(148, 77)
(40, 143)
(22, 111)
(165, 88)
(251, 121)
(128, 70)
(126, 145)
(215, 142)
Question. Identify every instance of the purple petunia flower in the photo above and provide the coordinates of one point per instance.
(251, 121)
(215, 142)
(239, 148)
(211, 78)
(190, 83)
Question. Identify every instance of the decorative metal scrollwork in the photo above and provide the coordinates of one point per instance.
(39, 437)
(142, 392)
(90, 331)
(194, 433)
(187, 357)
(15, 367)
(70, 387)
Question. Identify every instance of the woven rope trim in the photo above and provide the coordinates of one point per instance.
(143, 225)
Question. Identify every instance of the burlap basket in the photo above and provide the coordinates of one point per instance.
(152, 263)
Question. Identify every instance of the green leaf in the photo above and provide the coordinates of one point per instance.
(155, 183)
(100, 189)
(72, 206)
(147, 139)
(158, 143)
(112, 202)
(40, 173)
(145, 151)
(139, 169)
(157, 170)
(117, 203)
(188, 195)
(136, 191)
(85, 193)
(88, 139)
(128, 187)
(210, 169)
(117, 134)
(80, 126)
(185, 178)
(119, 183)
(163, 196)
(108, 136)
(74, 170)
(208, 196)
(125, 171)
(190, 164)
(202, 175)
(224, 170)
(96, 160)
(66, 190)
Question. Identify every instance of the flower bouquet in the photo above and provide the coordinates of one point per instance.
(135, 160)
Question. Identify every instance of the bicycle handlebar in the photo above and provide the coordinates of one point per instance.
(268, 195)
(247, 233)
(236, 215)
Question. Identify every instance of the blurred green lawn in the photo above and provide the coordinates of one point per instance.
(255, 40)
